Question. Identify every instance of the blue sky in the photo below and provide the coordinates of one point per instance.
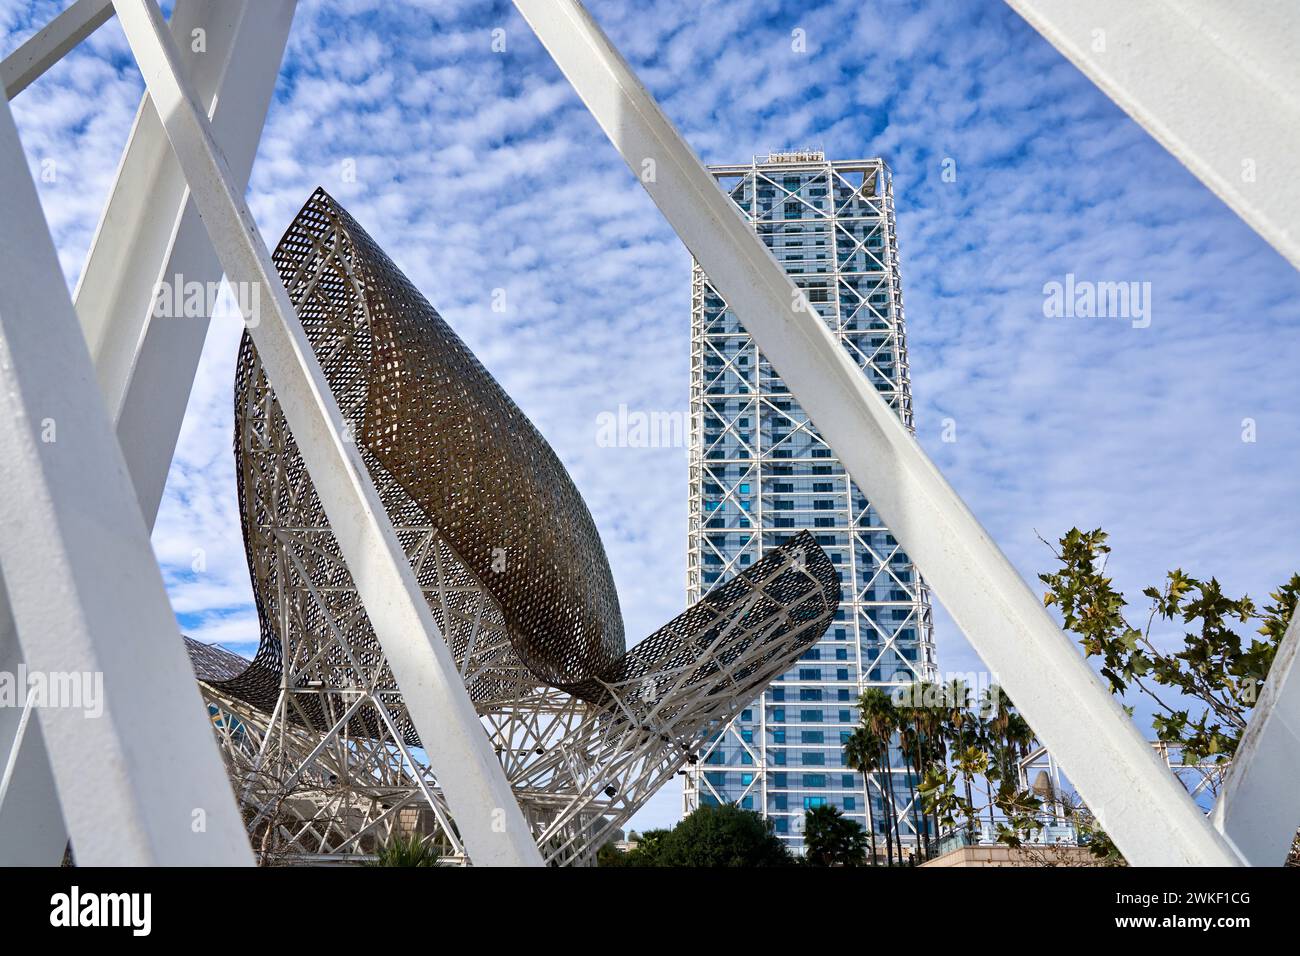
(480, 170)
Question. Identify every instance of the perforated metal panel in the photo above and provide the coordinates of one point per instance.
(498, 535)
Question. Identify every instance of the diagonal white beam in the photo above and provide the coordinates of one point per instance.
(32, 831)
(47, 46)
(1218, 88)
(1140, 803)
(475, 785)
(150, 232)
(142, 783)
(1259, 808)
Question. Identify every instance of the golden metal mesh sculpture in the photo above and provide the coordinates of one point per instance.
(514, 571)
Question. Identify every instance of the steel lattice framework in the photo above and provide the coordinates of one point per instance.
(758, 467)
(321, 746)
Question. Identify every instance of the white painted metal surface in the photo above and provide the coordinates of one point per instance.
(1142, 806)
(142, 783)
(150, 233)
(1259, 808)
(1217, 86)
(22, 67)
(32, 831)
(475, 785)
(1222, 93)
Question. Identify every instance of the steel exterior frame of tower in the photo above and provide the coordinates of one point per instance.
(130, 787)
(758, 470)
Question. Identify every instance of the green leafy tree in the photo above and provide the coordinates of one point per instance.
(832, 839)
(648, 849)
(713, 836)
(611, 855)
(1204, 689)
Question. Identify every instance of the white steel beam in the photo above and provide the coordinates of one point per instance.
(1218, 88)
(475, 785)
(142, 783)
(1140, 803)
(149, 233)
(1259, 808)
(46, 47)
(32, 831)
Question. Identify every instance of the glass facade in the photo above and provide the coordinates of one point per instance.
(759, 473)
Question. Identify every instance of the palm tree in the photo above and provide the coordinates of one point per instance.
(922, 736)
(958, 720)
(863, 754)
(909, 741)
(1008, 738)
(880, 717)
(936, 744)
(833, 839)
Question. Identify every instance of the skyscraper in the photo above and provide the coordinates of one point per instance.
(759, 473)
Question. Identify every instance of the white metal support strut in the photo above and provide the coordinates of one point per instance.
(1142, 806)
(1222, 94)
(22, 67)
(1217, 87)
(1259, 808)
(142, 782)
(472, 779)
(150, 233)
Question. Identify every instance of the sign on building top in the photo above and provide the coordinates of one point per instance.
(797, 156)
